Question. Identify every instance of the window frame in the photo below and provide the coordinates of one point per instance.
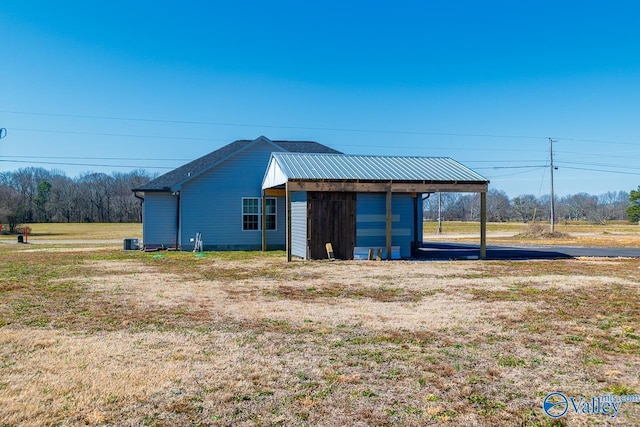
(247, 214)
(260, 213)
(274, 214)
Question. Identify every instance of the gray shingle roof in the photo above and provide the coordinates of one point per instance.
(170, 179)
(295, 166)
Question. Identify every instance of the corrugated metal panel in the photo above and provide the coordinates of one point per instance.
(299, 224)
(384, 168)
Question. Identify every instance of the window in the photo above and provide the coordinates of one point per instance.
(251, 213)
(270, 211)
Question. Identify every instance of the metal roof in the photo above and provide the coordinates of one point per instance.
(304, 166)
(170, 180)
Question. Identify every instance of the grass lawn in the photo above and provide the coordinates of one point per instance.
(459, 227)
(105, 337)
(577, 233)
(81, 231)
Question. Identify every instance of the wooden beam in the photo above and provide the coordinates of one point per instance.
(382, 187)
(263, 221)
(389, 223)
(288, 201)
(483, 225)
(415, 244)
(275, 192)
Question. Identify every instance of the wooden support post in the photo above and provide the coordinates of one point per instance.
(263, 221)
(415, 244)
(389, 223)
(288, 196)
(483, 225)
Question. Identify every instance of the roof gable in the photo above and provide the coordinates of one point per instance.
(173, 180)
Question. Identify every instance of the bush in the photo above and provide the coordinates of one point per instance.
(536, 230)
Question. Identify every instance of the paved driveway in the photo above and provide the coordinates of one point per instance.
(438, 251)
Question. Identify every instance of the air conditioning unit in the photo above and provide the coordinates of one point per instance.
(131, 244)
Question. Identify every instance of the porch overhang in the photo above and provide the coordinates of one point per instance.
(289, 173)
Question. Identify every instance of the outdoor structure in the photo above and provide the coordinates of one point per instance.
(358, 203)
(310, 195)
(219, 196)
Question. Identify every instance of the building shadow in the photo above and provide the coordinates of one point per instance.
(461, 251)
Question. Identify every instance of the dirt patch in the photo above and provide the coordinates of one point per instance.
(120, 338)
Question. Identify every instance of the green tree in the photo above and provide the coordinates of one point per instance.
(42, 197)
(633, 211)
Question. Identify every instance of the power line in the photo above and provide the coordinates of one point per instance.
(87, 164)
(601, 170)
(600, 155)
(253, 125)
(516, 173)
(118, 135)
(500, 161)
(606, 165)
(316, 128)
(514, 167)
(93, 158)
(367, 145)
(598, 141)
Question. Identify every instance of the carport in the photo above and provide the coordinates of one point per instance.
(350, 199)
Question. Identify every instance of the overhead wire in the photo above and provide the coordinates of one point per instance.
(254, 125)
(94, 158)
(353, 130)
(86, 164)
(119, 135)
(317, 128)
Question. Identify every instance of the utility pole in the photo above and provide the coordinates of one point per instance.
(553, 203)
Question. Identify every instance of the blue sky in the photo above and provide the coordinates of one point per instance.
(113, 86)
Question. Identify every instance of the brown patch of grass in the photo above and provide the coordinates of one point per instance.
(110, 337)
(81, 231)
(535, 230)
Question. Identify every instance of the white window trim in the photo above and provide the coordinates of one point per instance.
(275, 214)
(243, 213)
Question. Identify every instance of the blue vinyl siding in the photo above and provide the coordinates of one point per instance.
(299, 224)
(160, 219)
(371, 221)
(212, 203)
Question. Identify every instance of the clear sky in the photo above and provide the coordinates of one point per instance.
(118, 85)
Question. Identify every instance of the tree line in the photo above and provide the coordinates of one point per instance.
(612, 205)
(39, 195)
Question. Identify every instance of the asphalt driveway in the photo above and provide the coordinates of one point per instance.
(443, 251)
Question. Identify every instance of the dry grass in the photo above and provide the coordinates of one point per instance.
(457, 227)
(81, 231)
(106, 337)
(614, 234)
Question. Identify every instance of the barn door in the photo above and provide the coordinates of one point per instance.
(331, 218)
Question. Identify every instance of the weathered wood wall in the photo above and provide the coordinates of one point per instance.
(331, 219)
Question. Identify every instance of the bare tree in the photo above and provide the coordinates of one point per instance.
(498, 206)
